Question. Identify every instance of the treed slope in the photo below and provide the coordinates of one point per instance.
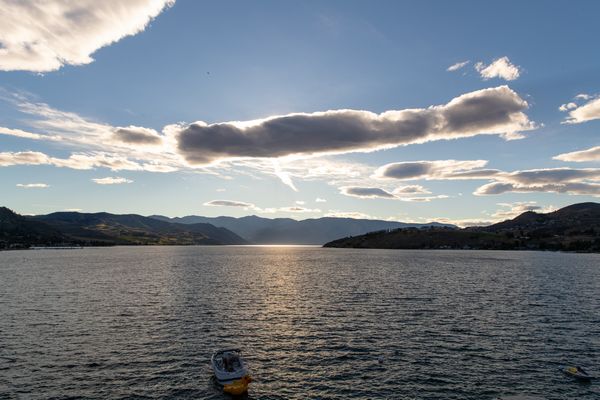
(572, 228)
(134, 229)
(17, 231)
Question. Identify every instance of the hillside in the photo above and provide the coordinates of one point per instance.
(572, 228)
(108, 228)
(17, 231)
(259, 230)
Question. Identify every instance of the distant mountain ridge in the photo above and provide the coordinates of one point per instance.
(314, 231)
(572, 228)
(97, 229)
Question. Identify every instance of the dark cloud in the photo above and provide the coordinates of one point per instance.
(228, 203)
(557, 180)
(366, 192)
(497, 110)
(137, 135)
(438, 169)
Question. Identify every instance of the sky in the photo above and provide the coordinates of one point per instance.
(465, 112)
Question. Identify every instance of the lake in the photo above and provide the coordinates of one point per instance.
(142, 322)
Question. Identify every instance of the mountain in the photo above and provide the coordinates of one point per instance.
(572, 228)
(17, 231)
(106, 228)
(290, 231)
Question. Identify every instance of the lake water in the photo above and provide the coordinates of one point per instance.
(141, 322)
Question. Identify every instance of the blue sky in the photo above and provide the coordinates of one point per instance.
(144, 108)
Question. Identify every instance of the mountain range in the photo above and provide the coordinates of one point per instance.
(572, 228)
(105, 229)
(315, 231)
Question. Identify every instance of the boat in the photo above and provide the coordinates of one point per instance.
(576, 372)
(230, 371)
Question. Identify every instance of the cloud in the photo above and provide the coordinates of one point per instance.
(152, 151)
(438, 169)
(556, 180)
(348, 214)
(410, 190)
(111, 180)
(457, 66)
(23, 158)
(253, 207)
(567, 106)
(499, 68)
(44, 36)
(27, 135)
(295, 209)
(228, 203)
(33, 185)
(587, 112)
(591, 154)
(583, 96)
(512, 210)
(320, 200)
(497, 111)
(366, 192)
(591, 189)
(405, 193)
(137, 135)
(82, 161)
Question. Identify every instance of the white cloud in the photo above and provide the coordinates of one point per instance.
(300, 202)
(27, 135)
(583, 96)
(320, 200)
(591, 154)
(111, 180)
(587, 112)
(348, 214)
(255, 208)
(497, 111)
(567, 106)
(499, 68)
(457, 66)
(23, 158)
(33, 185)
(42, 36)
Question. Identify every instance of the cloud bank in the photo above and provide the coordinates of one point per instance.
(497, 111)
(42, 36)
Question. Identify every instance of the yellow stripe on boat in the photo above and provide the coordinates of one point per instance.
(238, 387)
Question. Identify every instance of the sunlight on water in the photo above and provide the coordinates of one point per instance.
(313, 323)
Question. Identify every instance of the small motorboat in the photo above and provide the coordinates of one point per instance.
(231, 371)
(577, 373)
